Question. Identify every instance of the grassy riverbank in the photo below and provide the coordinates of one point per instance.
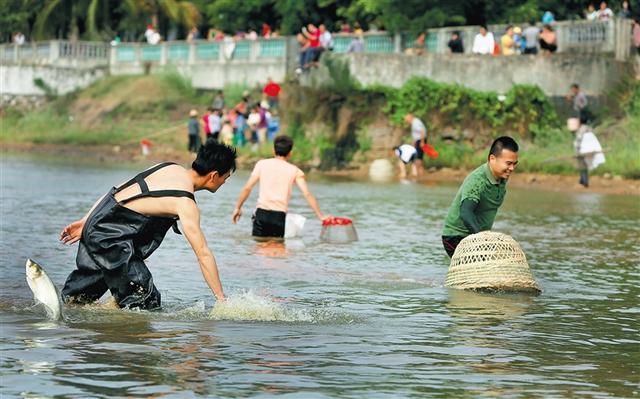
(121, 111)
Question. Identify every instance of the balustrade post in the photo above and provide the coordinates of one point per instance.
(622, 39)
(164, 53)
(254, 50)
(113, 57)
(54, 51)
(192, 53)
(397, 43)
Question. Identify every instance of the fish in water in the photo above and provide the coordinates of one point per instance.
(43, 289)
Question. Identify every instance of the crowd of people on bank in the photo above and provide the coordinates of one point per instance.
(315, 39)
(249, 122)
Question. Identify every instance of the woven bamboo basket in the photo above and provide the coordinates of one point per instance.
(490, 261)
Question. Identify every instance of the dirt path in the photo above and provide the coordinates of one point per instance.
(132, 154)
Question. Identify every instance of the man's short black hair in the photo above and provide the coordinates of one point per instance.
(501, 143)
(282, 145)
(575, 85)
(214, 156)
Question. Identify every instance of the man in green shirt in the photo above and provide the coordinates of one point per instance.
(475, 206)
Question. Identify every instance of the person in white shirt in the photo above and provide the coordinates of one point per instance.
(589, 152)
(590, 13)
(484, 42)
(407, 155)
(325, 38)
(419, 136)
(215, 123)
(604, 13)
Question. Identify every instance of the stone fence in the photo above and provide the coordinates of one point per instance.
(605, 37)
(216, 64)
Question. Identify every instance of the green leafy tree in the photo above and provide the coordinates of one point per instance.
(15, 20)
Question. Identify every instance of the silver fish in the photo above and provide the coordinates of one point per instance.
(43, 289)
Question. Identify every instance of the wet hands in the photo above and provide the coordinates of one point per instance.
(72, 232)
(236, 215)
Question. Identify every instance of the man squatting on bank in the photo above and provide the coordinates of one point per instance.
(127, 225)
(476, 204)
(276, 176)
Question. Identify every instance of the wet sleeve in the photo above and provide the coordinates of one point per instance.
(468, 216)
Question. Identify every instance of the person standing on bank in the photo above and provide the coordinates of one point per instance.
(476, 204)
(276, 177)
(419, 136)
(193, 128)
(127, 225)
(588, 150)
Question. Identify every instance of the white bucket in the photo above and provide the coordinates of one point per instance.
(381, 170)
(294, 224)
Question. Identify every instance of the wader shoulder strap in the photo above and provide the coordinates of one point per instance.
(144, 188)
(141, 176)
(160, 194)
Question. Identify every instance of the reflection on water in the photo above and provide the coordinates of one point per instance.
(311, 319)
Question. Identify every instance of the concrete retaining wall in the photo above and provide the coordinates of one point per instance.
(18, 79)
(215, 75)
(595, 73)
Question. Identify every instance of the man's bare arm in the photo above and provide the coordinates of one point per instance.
(302, 185)
(244, 194)
(189, 215)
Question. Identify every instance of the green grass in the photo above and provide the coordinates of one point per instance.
(163, 119)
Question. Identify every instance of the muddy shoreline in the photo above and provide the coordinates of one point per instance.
(117, 154)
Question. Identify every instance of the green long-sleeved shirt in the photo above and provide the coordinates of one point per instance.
(481, 188)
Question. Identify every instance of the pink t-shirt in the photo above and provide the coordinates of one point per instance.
(276, 181)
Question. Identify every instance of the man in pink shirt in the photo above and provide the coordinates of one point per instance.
(276, 176)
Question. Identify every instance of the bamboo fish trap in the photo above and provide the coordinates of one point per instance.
(490, 261)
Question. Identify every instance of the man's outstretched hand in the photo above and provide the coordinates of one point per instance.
(72, 232)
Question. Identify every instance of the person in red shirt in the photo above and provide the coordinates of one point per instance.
(205, 123)
(312, 33)
(266, 31)
(272, 91)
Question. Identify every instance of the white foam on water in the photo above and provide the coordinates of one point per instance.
(248, 306)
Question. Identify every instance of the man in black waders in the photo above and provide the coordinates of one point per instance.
(127, 224)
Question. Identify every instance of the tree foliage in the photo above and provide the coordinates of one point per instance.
(93, 19)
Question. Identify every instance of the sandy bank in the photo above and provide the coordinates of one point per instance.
(110, 154)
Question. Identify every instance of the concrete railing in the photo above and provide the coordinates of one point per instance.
(610, 37)
(56, 52)
(180, 52)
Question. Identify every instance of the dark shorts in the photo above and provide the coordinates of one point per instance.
(450, 243)
(420, 154)
(411, 160)
(531, 50)
(548, 46)
(268, 223)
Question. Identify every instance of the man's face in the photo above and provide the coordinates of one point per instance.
(504, 164)
(483, 31)
(216, 181)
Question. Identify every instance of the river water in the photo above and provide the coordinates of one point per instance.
(313, 320)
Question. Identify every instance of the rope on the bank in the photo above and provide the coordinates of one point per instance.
(491, 261)
(170, 129)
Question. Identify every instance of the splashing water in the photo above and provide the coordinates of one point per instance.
(250, 307)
